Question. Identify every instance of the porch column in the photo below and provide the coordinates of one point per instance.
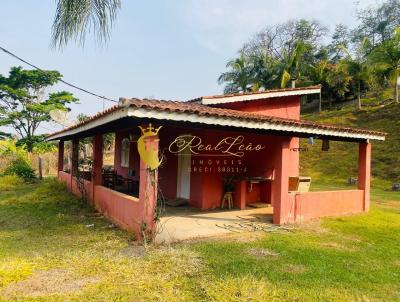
(364, 172)
(240, 195)
(148, 185)
(280, 186)
(60, 164)
(74, 160)
(97, 163)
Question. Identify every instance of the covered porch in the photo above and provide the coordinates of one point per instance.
(196, 167)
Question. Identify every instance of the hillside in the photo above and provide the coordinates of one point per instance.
(340, 162)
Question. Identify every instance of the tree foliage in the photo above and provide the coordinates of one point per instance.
(74, 19)
(24, 104)
(351, 63)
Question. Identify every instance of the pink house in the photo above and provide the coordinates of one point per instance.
(246, 143)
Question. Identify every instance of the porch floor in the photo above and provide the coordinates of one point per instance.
(183, 223)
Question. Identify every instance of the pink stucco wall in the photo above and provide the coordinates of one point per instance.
(88, 188)
(65, 178)
(123, 209)
(328, 203)
(206, 188)
(286, 107)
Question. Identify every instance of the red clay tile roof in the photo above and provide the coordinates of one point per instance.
(202, 110)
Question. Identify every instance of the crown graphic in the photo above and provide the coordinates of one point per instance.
(150, 130)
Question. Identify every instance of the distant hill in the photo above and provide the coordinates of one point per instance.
(340, 162)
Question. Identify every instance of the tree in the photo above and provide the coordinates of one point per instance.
(358, 72)
(75, 18)
(340, 42)
(238, 77)
(24, 104)
(384, 60)
(274, 56)
(338, 80)
(377, 23)
(265, 71)
(291, 63)
(356, 68)
(282, 40)
(4, 135)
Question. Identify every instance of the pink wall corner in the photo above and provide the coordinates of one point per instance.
(328, 203)
(122, 209)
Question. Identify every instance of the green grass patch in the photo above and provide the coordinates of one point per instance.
(54, 249)
(340, 162)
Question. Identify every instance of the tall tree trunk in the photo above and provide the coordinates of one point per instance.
(359, 96)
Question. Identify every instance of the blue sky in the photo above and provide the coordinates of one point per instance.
(163, 49)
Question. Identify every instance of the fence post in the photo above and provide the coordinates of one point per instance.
(40, 168)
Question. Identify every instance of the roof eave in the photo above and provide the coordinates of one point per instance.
(258, 96)
(225, 121)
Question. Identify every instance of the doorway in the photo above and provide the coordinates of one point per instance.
(183, 181)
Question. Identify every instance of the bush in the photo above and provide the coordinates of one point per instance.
(21, 168)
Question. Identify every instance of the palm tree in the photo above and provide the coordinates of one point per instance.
(356, 68)
(358, 73)
(385, 60)
(75, 18)
(265, 70)
(291, 63)
(238, 77)
(318, 73)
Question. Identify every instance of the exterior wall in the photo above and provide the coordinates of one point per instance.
(329, 203)
(88, 188)
(128, 212)
(285, 107)
(73, 187)
(123, 209)
(206, 189)
(65, 178)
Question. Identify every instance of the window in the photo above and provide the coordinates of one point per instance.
(125, 153)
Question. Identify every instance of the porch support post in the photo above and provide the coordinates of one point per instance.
(97, 163)
(281, 199)
(60, 164)
(148, 185)
(364, 172)
(240, 194)
(75, 155)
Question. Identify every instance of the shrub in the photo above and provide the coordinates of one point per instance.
(21, 168)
